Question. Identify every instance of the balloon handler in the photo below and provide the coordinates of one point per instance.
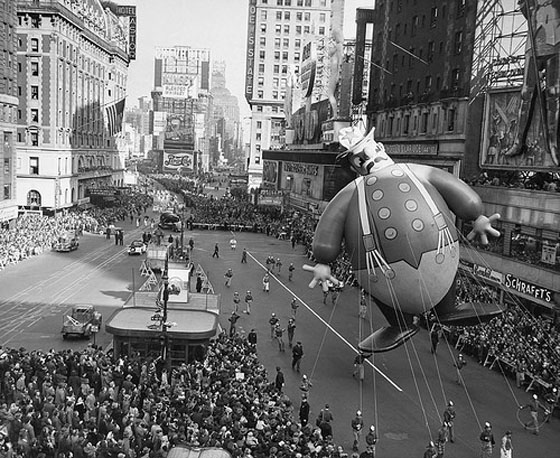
(397, 221)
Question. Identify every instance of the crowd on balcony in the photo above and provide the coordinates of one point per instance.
(82, 404)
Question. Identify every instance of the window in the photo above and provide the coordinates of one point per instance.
(424, 123)
(278, 15)
(276, 69)
(34, 45)
(262, 41)
(264, 15)
(428, 83)
(259, 124)
(35, 92)
(286, 43)
(321, 30)
(279, 2)
(259, 108)
(6, 166)
(287, 2)
(258, 137)
(34, 68)
(307, 17)
(258, 158)
(33, 199)
(276, 43)
(276, 55)
(298, 29)
(33, 166)
(414, 26)
(297, 43)
(263, 28)
(286, 29)
(260, 94)
(275, 94)
(433, 16)
(261, 68)
(306, 29)
(260, 81)
(278, 28)
(34, 115)
(308, 3)
(306, 186)
(284, 69)
(299, 2)
(285, 55)
(461, 8)
(406, 122)
(455, 78)
(322, 17)
(262, 55)
(431, 49)
(299, 16)
(458, 44)
(286, 15)
(451, 112)
(296, 56)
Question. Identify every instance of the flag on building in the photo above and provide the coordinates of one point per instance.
(115, 113)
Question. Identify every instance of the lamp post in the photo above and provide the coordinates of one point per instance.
(165, 279)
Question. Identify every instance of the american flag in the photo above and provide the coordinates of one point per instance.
(115, 113)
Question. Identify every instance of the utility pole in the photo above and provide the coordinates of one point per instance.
(164, 336)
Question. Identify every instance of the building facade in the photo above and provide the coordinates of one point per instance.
(278, 30)
(8, 112)
(72, 64)
(182, 104)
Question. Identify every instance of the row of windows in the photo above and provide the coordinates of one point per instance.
(285, 42)
(397, 126)
(306, 3)
(287, 15)
(306, 29)
(272, 109)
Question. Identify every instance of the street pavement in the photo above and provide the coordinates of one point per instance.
(404, 396)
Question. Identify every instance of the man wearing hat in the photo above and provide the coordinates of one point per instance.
(443, 437)
(534, 406)
(357, 426)
(430, 451)
(371, 438)
(487, 441)
(449, 417)
(304, 410)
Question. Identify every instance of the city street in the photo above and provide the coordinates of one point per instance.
(404, 397)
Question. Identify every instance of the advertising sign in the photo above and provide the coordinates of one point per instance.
(514, 137)
(175, 91)
(130, 11)
(308, 68)
(250, 58)
(178, 161)
(179, 129)
(270, 172)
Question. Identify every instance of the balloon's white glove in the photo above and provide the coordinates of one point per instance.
(482, 227)
(321, 273)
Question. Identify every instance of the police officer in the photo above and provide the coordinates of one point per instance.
(272, 321)
(534, 406)
(357, 426)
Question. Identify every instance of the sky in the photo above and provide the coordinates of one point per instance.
(220, 25)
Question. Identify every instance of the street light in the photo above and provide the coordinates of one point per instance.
(165, 279)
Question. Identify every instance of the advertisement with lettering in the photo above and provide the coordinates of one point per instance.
(270, 172)
(515, 139)
(174, 162)
(250, 57)
(528, 288)
(308, 68)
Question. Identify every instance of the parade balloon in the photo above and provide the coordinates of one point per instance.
(397, 224)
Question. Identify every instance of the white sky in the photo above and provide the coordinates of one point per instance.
(220, 25)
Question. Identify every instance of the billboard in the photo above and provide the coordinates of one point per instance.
(270, 173)
(250, 58)
(308, 68)
(178, 161)
(130, 12)
(160, 121)
(514, 137)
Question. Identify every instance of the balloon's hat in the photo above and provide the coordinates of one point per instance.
(354, 140)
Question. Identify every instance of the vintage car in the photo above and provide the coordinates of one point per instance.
(170, 221)
(137, 247)
(68, 241)
(83, 321)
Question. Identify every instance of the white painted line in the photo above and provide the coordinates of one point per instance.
(336, 333)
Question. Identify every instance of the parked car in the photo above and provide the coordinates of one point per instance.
(137, 247)
(68, 241)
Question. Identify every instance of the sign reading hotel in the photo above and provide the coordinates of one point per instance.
(250, 58)
(130, 12)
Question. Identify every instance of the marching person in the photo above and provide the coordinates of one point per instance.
(244, 256)
(443, 437)
(279, 334)
(305, 385)
(304, 409)
(252, 339)
(363, 305)
(487, 441)
(236, 302)
(291, 269)
(357, 426)
(279, 380)
(371, 438)
(359, 366)
(294, 306)
(273, 320)
(449, 417)
(506, 449)
(232, 320)
(297, 355)
(248, 302)
(434, 337)
(228, 276)
(216, 253)
(266, 283)
(233, 243)
(291, 329)
(278, 264)
(534, 406)
(459, 364)
(431, 451)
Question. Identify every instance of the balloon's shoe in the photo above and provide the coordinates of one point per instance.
(514, 150)
(386, 339)
(469, 313)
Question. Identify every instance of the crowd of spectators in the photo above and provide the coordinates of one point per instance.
(81, 404)
(517, 339)
(31, 234)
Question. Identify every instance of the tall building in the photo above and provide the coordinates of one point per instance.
(182, 106)
(72, 66)
(8, 112)
(226, 111)
(278, 31)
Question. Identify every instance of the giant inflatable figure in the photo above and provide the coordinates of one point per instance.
(398, 227)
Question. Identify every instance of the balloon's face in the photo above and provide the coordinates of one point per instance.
(372, 158)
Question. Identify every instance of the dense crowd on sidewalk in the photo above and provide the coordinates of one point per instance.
(81, 404)
(31, 234)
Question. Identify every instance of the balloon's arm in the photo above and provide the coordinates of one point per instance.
(459, 196)
(330, 229)
(321, 273)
